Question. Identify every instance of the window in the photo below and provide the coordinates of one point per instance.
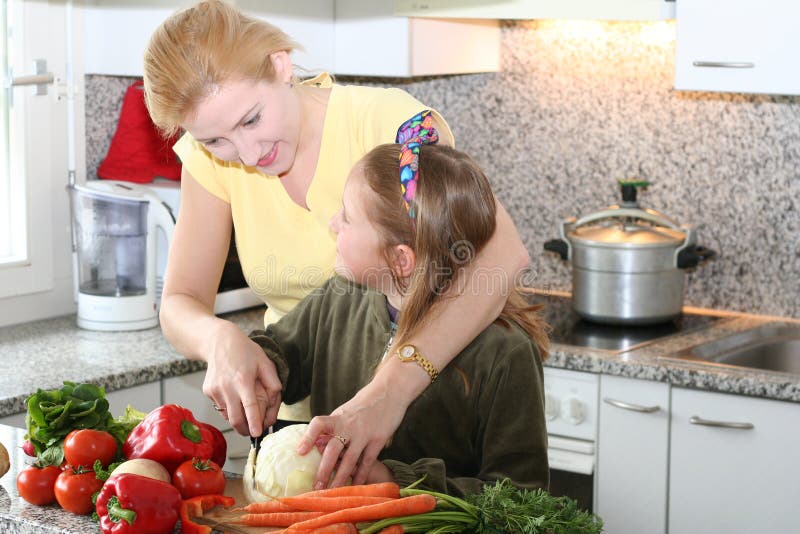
(33, 141)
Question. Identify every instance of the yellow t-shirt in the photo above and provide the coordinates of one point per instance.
(285, 250)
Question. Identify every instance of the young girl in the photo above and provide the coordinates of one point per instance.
(412, 219)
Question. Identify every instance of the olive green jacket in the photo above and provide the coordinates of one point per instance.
(481, 420)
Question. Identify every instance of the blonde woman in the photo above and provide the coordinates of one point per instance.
(268, 155)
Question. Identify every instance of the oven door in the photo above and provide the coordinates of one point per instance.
(572, 466)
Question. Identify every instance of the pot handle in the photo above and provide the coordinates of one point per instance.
(633, 213)
(559, 246)
(694, 255)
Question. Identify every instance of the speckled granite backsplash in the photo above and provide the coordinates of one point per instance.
(578, 105)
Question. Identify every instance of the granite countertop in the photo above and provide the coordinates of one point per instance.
(654, 361)
(43, 354)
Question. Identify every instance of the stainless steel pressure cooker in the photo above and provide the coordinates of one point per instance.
(628, 262)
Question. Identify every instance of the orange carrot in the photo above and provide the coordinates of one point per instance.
(392, 529)
(267, 507)
(331, 504)
(379, 489)
(337, 528)
(275, 519)
(416, 504)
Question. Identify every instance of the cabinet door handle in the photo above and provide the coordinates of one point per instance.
(633, 407)
(697, 420)
(724, 64)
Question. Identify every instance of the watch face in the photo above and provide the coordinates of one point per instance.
(407, 351)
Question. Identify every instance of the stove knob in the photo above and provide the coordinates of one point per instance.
(550, 407)
(573, 410)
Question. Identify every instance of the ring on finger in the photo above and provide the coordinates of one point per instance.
(343, 439)
(218, 407)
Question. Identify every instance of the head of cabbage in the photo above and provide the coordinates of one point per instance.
(280, 471)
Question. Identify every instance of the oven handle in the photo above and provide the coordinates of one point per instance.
(632, 407)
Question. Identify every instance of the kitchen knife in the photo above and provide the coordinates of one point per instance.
(255, 443)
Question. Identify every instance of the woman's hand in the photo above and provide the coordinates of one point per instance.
(242, 382)
(365, 424)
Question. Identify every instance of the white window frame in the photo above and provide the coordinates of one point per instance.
(38, 31)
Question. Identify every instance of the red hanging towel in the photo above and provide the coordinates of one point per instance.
(138, 153)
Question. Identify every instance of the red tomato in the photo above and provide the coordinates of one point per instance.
(198, 477)
(35, 484)
(83, 447)
(74, 489)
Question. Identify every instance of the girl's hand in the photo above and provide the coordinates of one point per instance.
(366, 422)
(379, 473)
(242, 382)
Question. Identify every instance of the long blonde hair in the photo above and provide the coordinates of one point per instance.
(196, 49)
(455, 218)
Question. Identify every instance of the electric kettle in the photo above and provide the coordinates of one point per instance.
(115, 227)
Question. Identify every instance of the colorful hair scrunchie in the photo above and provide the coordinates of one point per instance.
(415, 132)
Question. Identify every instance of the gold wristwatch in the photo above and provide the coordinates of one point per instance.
(409, 353)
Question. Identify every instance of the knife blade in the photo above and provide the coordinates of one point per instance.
(255, 443)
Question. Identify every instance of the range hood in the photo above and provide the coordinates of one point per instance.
(538, 9)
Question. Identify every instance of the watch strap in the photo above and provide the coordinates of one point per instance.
(419, 359)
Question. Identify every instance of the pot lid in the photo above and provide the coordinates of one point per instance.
(627, 234)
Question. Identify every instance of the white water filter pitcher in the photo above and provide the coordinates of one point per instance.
(115, 227)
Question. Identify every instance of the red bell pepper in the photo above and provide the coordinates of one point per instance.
(135, 504)
(171, 435)
(220, 453)
(195, 507)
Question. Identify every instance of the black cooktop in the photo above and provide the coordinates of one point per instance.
(569, 328)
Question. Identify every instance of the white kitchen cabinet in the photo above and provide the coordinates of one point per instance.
(144, 397)
(16, 420)
(115, 32)
(187, 391)
(632, 448)
(738, 46)
(726, 476)
(540, 9)
(370, 41)
(348, 37)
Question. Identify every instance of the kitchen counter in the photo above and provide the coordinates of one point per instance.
(646, 361)
(45, 353)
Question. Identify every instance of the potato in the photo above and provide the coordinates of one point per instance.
(4, 463)
(144, 467)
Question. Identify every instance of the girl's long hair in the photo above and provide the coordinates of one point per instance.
(455, 218)
(196, 49)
